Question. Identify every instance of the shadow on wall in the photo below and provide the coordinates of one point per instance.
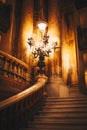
(69, 77)
(82, 38)
(5, 17)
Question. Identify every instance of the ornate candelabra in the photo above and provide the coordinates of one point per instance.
(44, 49)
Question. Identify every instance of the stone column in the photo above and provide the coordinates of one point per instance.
(54, 33)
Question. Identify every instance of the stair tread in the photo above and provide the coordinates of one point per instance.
(63, 127)
(57, 127)
(65, 103)
(51, 123)
(66, 99)
(63, 115)
(60, 121)
(47, 128)
(65, 106)
(74, 110)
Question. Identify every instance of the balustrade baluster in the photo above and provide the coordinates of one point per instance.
(10, 69)
(27, 76)
(19, 73)
(6, 67)
(15, 71)
(22, 74)
(1, 64)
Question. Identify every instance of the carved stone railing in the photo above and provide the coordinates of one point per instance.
(13, 68)
(15, 107)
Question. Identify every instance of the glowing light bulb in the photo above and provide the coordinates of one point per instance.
(42, 25)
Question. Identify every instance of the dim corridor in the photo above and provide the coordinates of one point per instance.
(56, 87)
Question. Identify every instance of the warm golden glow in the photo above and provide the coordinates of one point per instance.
(86, 78)
(4, 1)
(53, 32)
(27, 31)
(66, 59)
(42, 25)
(54, 37)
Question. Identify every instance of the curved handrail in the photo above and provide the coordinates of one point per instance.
(18, 97)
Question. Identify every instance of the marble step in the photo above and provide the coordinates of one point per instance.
(60, 110)
(62, 115)
(56, 128)
(65, 105)
(62, 124)
(66, 98)
(76, 121)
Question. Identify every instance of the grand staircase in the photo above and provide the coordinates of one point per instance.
(67, 113)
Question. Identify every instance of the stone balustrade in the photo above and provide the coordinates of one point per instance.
(13, 68)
